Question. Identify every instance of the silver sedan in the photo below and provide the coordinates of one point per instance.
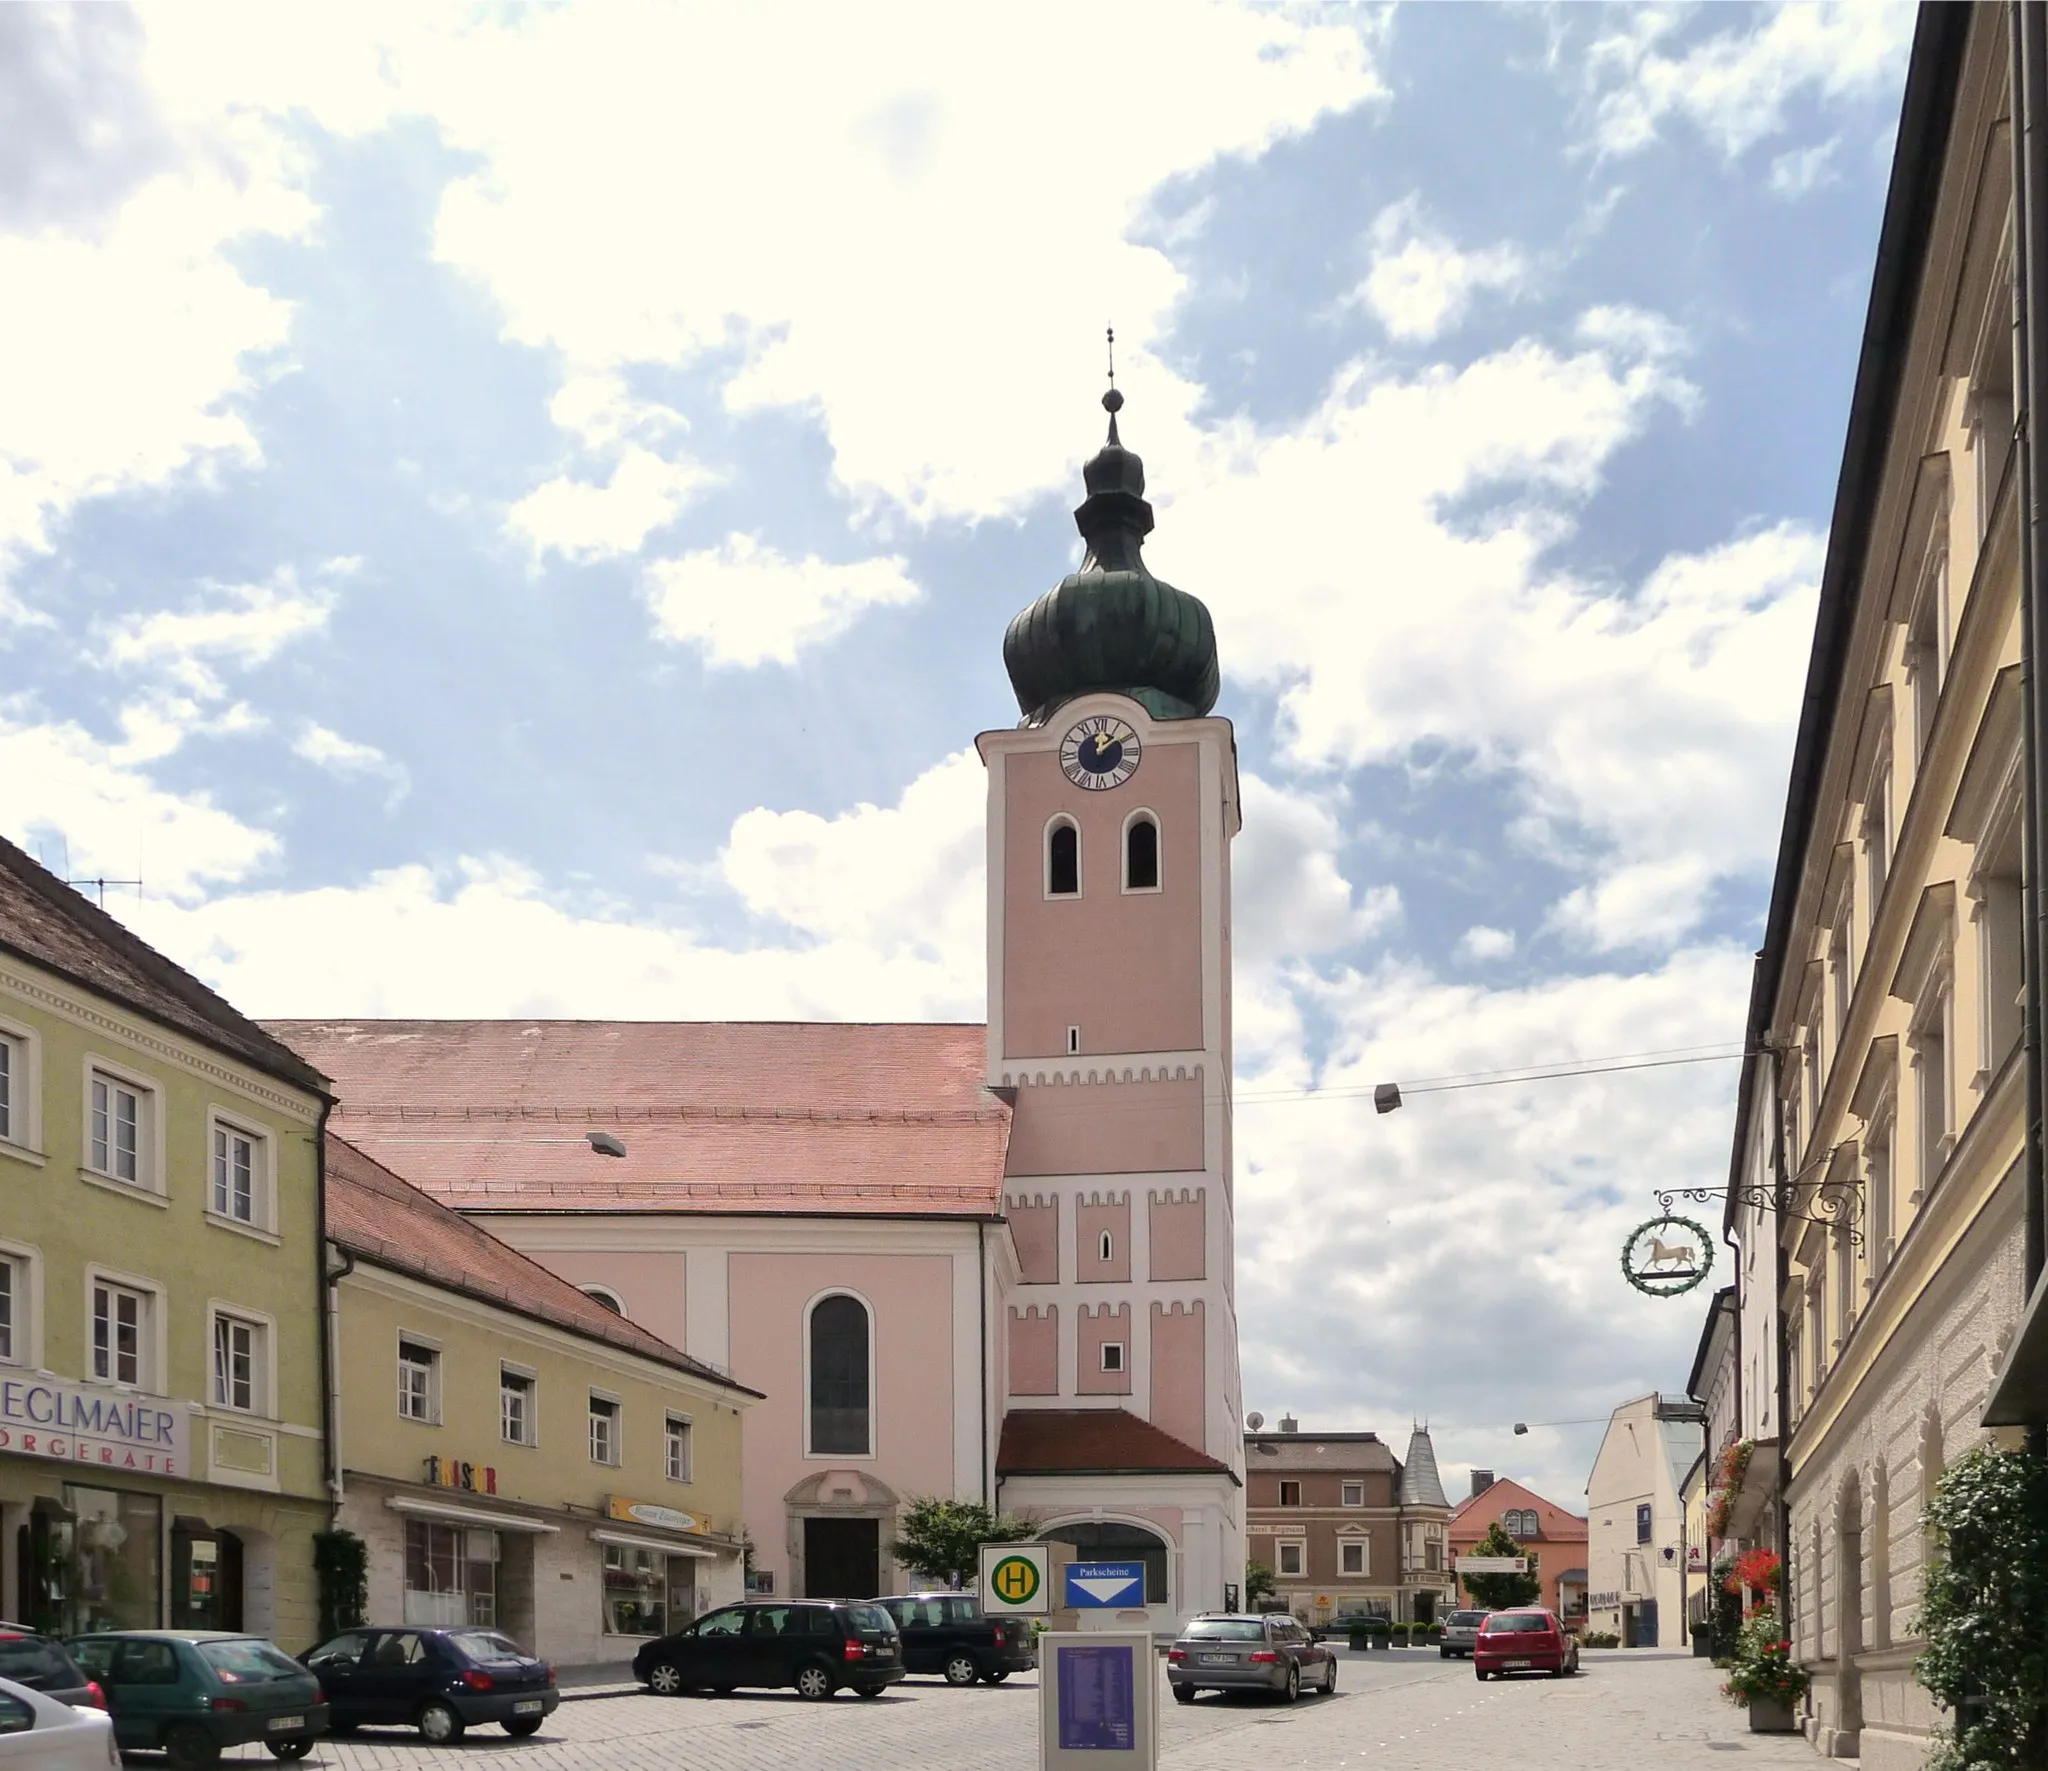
(1237, 1652)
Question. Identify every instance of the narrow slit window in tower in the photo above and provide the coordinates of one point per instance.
(1141, 855)
(1063, 862)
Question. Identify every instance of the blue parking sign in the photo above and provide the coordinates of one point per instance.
(1100, 1586)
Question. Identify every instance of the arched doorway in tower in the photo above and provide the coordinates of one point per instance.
(1111, 1540)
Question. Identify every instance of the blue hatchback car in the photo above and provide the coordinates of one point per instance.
(440, 1681)
(194, 1692)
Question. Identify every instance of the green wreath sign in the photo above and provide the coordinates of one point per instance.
(1642, 1270)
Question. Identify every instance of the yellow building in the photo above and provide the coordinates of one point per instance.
(514, 1452)
(162, 1429)
(1878, 1151)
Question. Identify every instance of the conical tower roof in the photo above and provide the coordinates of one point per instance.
(1112, 625)
(1421, 1486)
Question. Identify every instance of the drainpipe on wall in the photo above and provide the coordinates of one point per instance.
(330, 1412)
(981, 1273)
(2028, 33)
(1782, 1268)
(331, 1320)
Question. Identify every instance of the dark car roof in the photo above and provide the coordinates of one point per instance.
(193, 1636)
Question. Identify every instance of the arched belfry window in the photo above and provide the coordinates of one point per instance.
(841, 1409)
(1062, 859)
(1141, 853)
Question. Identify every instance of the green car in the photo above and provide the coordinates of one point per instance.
(193, 1692)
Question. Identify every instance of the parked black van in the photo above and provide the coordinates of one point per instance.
(947, 1633)
(814, 1645)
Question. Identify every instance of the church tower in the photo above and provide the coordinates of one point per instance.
(1111, 810)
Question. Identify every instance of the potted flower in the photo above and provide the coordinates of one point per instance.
(1763, 1676)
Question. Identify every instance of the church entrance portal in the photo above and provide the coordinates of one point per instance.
(842, 1558)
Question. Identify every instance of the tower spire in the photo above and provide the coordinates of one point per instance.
(1112, 401)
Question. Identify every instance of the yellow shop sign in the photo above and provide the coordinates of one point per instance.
(647, 1512)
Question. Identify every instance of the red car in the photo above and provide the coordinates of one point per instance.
(1528, 1640)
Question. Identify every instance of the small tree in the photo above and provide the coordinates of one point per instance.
(942, 1539)
(341, 1567)
(1499, 1592)
(1258, 1585)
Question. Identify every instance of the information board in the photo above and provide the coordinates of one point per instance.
(1098, 1701)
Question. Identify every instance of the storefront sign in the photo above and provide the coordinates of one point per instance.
(447, 1472)
(1493, 1564)
(92, 1424)
(647, 1512)
(1603, 1601)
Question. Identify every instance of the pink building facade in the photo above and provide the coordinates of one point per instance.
(984, 1262)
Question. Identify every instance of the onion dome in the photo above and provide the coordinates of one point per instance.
(1112, 625)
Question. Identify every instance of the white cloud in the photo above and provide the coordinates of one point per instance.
(583, 520)
(1420, 284)
(743, 604)
(1735, 86)
(1483, 942)
(239, 624)
(327, 749)
(1800, 170)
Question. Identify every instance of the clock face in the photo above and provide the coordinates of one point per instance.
(1099, 753)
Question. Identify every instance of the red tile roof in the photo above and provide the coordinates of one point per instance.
(381, 1218)
(44, 920)
(734, 1117)
(1476, 1513)
(1094, 1442)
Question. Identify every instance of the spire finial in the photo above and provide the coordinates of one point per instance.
(1113, 401)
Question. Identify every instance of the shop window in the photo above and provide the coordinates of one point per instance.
(841, 1345)
(1354, 1494)
(451, 1579)
(98, 1561)
(1351, 1557)
(122, 1334)
(679, 1448)
(241, 1179)
(1291, 1557)
(240, 1362)
(604, 1429)
(515, 1406)
(645, 1592)
(419, 1381)
(1290, 1494)
(116, 1145)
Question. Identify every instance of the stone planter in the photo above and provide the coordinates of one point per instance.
(1768, 1716)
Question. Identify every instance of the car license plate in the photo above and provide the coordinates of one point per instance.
(527, 1707)
(278, 1724)
(1219, 1660)
(1517, 1665)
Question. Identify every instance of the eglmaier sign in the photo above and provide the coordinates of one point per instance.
(106, 1429)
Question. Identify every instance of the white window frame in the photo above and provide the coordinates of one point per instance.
(1118, 1368)
(262, 1219)
(1876, 821)
(604, 1406)
(263, 1358)
(1363, 1547)
(1351, 1488)
(679, 1429)
(606, 1296)
(520, 1375)
(153, 1355)
(1299, 1545)
(149, 1182)
(1159, 852)
(24, 1346)
(21, 1126)
(427, 1344)
(1045, 857)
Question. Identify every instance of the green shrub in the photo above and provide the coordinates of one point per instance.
(1599, 1639)
(1763, 1666)
(341, 1567)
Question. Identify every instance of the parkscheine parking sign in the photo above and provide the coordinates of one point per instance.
(1014, 1580)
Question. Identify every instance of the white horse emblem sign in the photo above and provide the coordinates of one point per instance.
(1667, 1256)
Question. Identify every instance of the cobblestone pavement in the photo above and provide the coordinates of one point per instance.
(1626, 1712)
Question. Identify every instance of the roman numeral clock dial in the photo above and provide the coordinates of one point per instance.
(1099, 753)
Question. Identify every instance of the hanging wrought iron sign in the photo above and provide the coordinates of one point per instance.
(1832, 1204)
(1667, 1257)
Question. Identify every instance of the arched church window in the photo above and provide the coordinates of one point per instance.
(1141, 853)
(1063, 859)
(841, 1415)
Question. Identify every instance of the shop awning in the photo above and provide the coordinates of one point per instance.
(664, 1546)
(1749, 1506)
(439, 1509)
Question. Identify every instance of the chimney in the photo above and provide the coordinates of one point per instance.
(1482, 1480)
(1288, 1424)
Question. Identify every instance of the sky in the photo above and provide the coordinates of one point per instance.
(513, 510)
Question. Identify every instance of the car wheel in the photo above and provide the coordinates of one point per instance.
(1480, 1674)
(868, 1690)
(962, 1669)
(1292, 1691)
(997, 1677)
(439, 1724)
(813, 1682)
(1443, 1654)
(665, 1679)
(191, 1748)
(1330, 1679)
(1183, 1694)
(288, 1750)
(519, 1727)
